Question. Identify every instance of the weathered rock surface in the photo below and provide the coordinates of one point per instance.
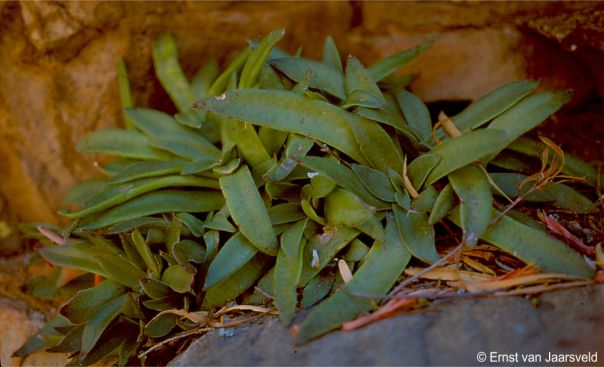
(447, 333)
(580, 32)
(17, 323)
(22, 315)
(59, 78)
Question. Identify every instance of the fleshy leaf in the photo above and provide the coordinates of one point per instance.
(179, 278)
(472, 187)
(248, 210)
(533, 246)
(235, 253)
(161, 201)
(121, 143)
(99, 322)
(288, 111)
(417, 234)
(384, 264)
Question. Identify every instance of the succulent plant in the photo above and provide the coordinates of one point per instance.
(282, 166)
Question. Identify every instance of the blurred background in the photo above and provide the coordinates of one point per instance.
(59, 81)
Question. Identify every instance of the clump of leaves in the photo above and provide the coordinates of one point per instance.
(292, 180)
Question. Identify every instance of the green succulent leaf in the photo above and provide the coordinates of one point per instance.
(223, 79)
(186, 251)
(343, 176)
(472, 187)
(186, 145)
(288, 270)
(121, 143)
(390, 64)
(375, 181)
(326, 246)
(71, 342)
(44, 338)
(421, 167)
(443, 205)
(109, 344)
(376, 145)
(331, 55)
(220, 222)
(192, 223)
(97, 324)
(416, 114)
(268, 78)
(561, 196)
(527, 114)
(153, 122)
(125, 93)
(235, 253)
(203, 79)
(161, 201)
(321, 186)
(426, 199)
(237, 283)
(169, 72)
(457, 152)
(179, 278)
(533, 246)
(417, 234)
(82, 191)
(145, 253)
(384, 264)
(357, 250)
(323, 77)
(296, 149)
(161, 325)
(288, 111)
(143, 223)
(89, 301)
(121, 270)
(165, 303)
(257, 57)
(285, 213)
(115, 195)
(155, 288)
(73, 256)
(248, 210)
(493, 104)
(342, 207)
(389, 115)
(361, 90)
(145, 169)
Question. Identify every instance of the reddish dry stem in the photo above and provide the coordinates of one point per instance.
(559, 229)
(388, 310)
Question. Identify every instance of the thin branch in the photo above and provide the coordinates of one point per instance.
(176, 337)
(408, 281)
(447, 294)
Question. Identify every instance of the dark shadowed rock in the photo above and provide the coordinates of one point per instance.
(446, 333)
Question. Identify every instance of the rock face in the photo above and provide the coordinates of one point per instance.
(17, 324)
(21, 318)
(448, 333)
(59, 74)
